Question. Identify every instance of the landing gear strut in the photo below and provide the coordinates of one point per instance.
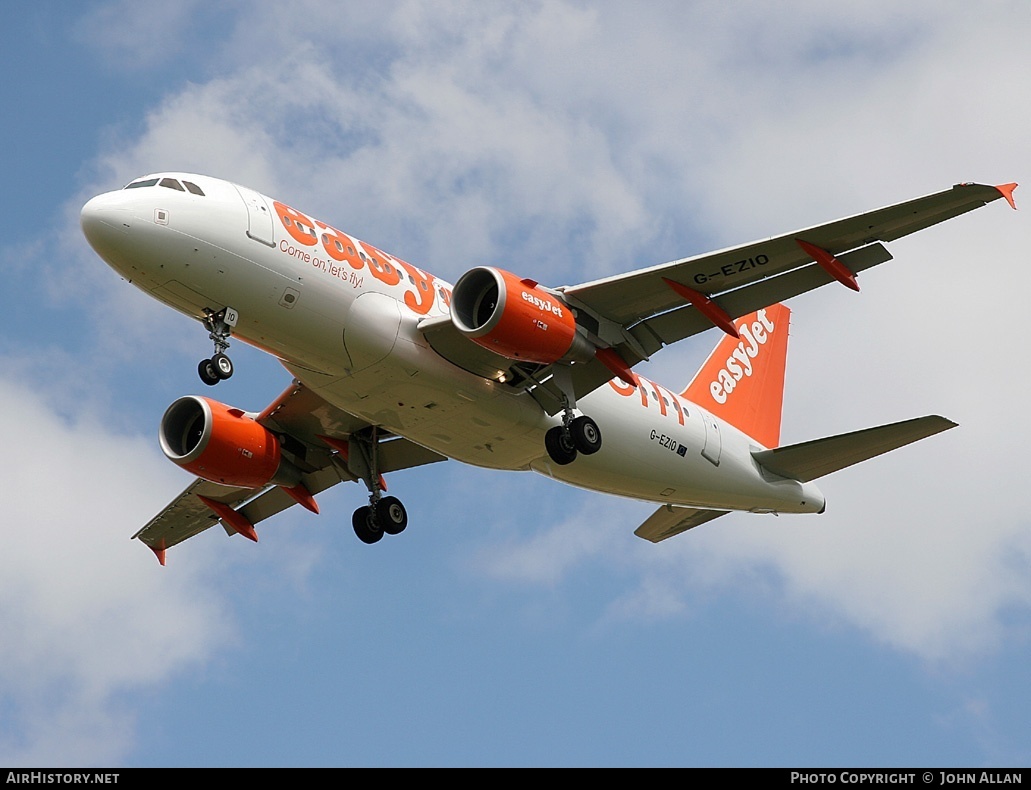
(383, 514)
(575, 434)
(220, 326)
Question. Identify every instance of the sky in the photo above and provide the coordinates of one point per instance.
(518, 622)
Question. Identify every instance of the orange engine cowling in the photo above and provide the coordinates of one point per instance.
(513, 317)
(223, 444)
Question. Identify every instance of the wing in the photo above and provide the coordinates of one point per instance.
(299, 418)
(670, 520)
(638, 313)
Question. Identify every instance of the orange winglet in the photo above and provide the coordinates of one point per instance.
(1007, 192)
(611, 359)
(159, 552)
(231, 517)
(706, 306)
(302, 496)
(830, 264)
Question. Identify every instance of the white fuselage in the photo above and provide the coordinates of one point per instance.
(350, 333)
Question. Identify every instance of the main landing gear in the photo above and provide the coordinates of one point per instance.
(220, 326)
(578, 435)
(384, 514)
(575, 434)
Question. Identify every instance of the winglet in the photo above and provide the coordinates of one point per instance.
(705, 305)
(830, 264)
(302, 496)
(231, 517)
(611, 359)
(1006, 190)
(159, 552)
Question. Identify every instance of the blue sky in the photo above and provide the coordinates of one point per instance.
(519, 622)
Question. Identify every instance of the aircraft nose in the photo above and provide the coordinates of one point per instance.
(102, 217)
(105, 221)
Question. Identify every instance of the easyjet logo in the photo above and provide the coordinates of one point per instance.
(739, 364)
(542, 304)
(420, 290)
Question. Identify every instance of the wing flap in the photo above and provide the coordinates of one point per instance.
(653, 333)
(814, 459)
(629, 298)
(670, 520)
(186, 515)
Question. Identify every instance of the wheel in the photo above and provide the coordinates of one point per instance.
(365, 525)
(223, 366)
(586, 435)
(560, 446)
(208, 373)
(391, 515)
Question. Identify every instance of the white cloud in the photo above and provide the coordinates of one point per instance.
(137, 35)
(86, 614)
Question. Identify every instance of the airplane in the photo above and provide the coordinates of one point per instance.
(393, 368)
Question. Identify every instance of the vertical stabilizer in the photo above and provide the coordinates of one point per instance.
(742, 381)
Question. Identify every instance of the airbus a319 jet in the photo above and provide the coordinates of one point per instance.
(394, 368)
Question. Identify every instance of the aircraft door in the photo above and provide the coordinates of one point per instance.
(259, 216)
(713, 446)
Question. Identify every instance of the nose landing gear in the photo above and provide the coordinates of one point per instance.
(220, 326)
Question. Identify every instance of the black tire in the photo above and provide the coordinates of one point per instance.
(365, 525)
(586, 435)
(560, 446)
(391, 515)
(223, 366)
(208, 373)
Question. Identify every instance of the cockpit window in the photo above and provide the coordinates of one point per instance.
(144, 182)
(171, 183)
(193, 188)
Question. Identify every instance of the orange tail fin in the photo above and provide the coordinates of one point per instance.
(742, 381)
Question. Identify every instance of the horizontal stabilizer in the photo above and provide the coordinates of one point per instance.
(811, 460)
(668, 521)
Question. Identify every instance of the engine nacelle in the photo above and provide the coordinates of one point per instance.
(223, 444)
(513, 317)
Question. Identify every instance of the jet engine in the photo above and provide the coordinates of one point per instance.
(513, 317)
(223, 444)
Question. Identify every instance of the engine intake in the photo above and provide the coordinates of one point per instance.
(223, 444)
(513, 317)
